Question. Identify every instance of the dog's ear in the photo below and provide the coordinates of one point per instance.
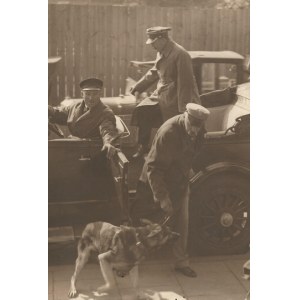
(145, 222)
(154, 232)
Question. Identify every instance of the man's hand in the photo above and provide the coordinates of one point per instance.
(167, 207)
(137, 97)
(110, 150)
(51, 111)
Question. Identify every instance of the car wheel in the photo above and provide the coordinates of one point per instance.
(220, 215)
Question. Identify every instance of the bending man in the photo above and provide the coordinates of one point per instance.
(165, 175)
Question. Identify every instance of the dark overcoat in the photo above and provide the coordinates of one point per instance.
(176, 83)
(168, 164)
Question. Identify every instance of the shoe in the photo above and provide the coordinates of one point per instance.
(187, 271)
(140, 152)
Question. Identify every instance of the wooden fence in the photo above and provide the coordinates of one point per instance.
(100, 41)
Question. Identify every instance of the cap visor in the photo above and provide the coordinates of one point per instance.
(91, 89)
(150, 41)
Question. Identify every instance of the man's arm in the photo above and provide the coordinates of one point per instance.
(146, 81)
(109, 134)
(160, 158)
(187, 90)
(58, 115)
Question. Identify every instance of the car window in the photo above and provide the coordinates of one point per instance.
(217, 76)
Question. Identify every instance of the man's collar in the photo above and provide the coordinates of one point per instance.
(167, 49)
(86, 108)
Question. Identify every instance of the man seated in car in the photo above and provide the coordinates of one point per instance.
(89, 118)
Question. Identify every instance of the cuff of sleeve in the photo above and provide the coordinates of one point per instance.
(133, 90)
(165, 202)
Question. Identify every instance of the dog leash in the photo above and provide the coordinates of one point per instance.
(165, 220)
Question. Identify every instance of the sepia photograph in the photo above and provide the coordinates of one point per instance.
(149, 149)
(136, 184)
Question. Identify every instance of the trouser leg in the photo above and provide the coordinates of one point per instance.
(144, 206)
(144, 133)
(181, 227)
(148, 117)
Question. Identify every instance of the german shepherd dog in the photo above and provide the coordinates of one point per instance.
(120, 249)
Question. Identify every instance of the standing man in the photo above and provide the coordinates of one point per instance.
(176, 85)
(165, 175)
(89, 118)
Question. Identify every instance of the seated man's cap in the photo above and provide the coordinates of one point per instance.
(156, 32)
(197, 111)
(91, 84)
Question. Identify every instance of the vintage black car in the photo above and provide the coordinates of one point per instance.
(85, 186)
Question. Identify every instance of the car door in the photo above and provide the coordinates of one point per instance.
(119, 170)
(83, 185)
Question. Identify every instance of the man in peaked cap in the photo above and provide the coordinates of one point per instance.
(89, 118)
(166, 172)
(176, 85)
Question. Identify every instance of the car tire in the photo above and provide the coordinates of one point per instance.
(220, 215)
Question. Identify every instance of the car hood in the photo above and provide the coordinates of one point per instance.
(121, 105)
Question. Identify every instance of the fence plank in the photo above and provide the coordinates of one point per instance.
(204, 29)
(91, 34)
(52, 51)
(139, 33)
(100, 43)
(85, 41)
(77, 50)
(69, 51)
(132, 33)
(148, 52)
(61, 52)
(108, 50)
(123, 48)
(187, 29)
(177, 31)
(116, 51)
(246, 33)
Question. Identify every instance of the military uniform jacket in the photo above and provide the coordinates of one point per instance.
(176, 83)
(87, 123)
(169, 161)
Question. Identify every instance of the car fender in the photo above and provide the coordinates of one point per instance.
(218, 168)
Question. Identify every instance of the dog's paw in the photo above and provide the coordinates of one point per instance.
(104, 288)
(72, 293)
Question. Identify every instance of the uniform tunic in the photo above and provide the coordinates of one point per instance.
(87, 123)
(176, 83)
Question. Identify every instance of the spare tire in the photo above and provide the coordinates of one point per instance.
(220, 215)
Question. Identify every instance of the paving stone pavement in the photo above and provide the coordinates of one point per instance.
(219, 278)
